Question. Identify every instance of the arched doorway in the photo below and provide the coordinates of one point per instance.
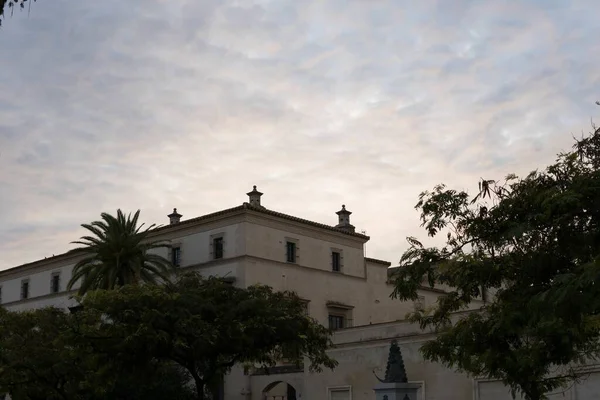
(279, 390)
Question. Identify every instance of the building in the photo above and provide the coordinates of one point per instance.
(324, 264)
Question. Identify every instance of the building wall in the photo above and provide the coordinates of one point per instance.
(39, 282)
(196, 244)
(362, 352)
(267, 238)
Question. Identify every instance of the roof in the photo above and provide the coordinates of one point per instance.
(376, 261)
(247, 206)
(241, 208)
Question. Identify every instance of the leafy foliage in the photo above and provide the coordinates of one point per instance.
(532, 243)
(119, 253)
(11, 5)
(45, 355)
(206, 326)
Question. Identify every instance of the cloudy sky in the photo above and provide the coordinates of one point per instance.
(186, 103)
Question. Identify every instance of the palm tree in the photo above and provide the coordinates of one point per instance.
(119, 254)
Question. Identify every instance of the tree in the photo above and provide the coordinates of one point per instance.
(534, 244)
(46, 354)
(120, 253)
(206, 326)
(11, 5)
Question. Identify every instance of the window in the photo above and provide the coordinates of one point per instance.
(340, 393)
(340, 315)
(24, 289)
(291, 252)
(420, 303)
(55, 282)
(336, 261)
(305, 307)
(217, 248)
(176, 256)
(336, 322)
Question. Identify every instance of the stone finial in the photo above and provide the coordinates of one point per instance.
(254, 197)
(174, 217)
(344, 220)
(395, 371)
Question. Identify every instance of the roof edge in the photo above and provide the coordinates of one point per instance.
(245, 206)
(378, 261)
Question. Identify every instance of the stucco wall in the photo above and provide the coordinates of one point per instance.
(196, 245)
(39, 282)
(267, 239)
(370, 302)
(361, 351)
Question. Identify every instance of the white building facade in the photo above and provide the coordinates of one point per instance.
(325, 265)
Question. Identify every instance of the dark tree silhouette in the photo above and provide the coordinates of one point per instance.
(10, 5)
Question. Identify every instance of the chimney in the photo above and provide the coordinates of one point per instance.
(344, 220)
(254, 197)
(175, 217)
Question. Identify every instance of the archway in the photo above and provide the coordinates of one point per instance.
(279, 390)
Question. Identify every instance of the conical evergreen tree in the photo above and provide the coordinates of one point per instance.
(395, 371)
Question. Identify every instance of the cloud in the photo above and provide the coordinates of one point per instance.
(161, 104)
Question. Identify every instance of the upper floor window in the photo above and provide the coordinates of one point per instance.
(176, 256)
(55, 282)
(336, 261)
(218, 247)
(24, 289)
(339, 315)
(291, 252)
(336, 322)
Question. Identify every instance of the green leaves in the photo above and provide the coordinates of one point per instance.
(146, 341)
(120, 253)
(206, 326)
(534, 244)
(49, 354)
(11, 5)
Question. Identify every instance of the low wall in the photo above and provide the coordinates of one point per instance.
(362, 352)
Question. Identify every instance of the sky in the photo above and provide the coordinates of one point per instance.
(155, 104)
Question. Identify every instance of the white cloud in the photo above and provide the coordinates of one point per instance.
(161, 104)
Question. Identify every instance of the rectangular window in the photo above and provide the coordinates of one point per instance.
(217, 248)
(340, 394)
(291, 252)
(305, 306)
(336, 322)
(24, 289)
(55, 283)
(336, 261)
(176, 256)
(420, 303)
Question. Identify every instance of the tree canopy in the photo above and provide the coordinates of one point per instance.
(45, 355)
(533, 245)
(11, 5)
(119, 253)
(154, 341)
(206, 326)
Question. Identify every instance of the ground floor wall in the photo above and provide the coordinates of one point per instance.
(362, 354)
